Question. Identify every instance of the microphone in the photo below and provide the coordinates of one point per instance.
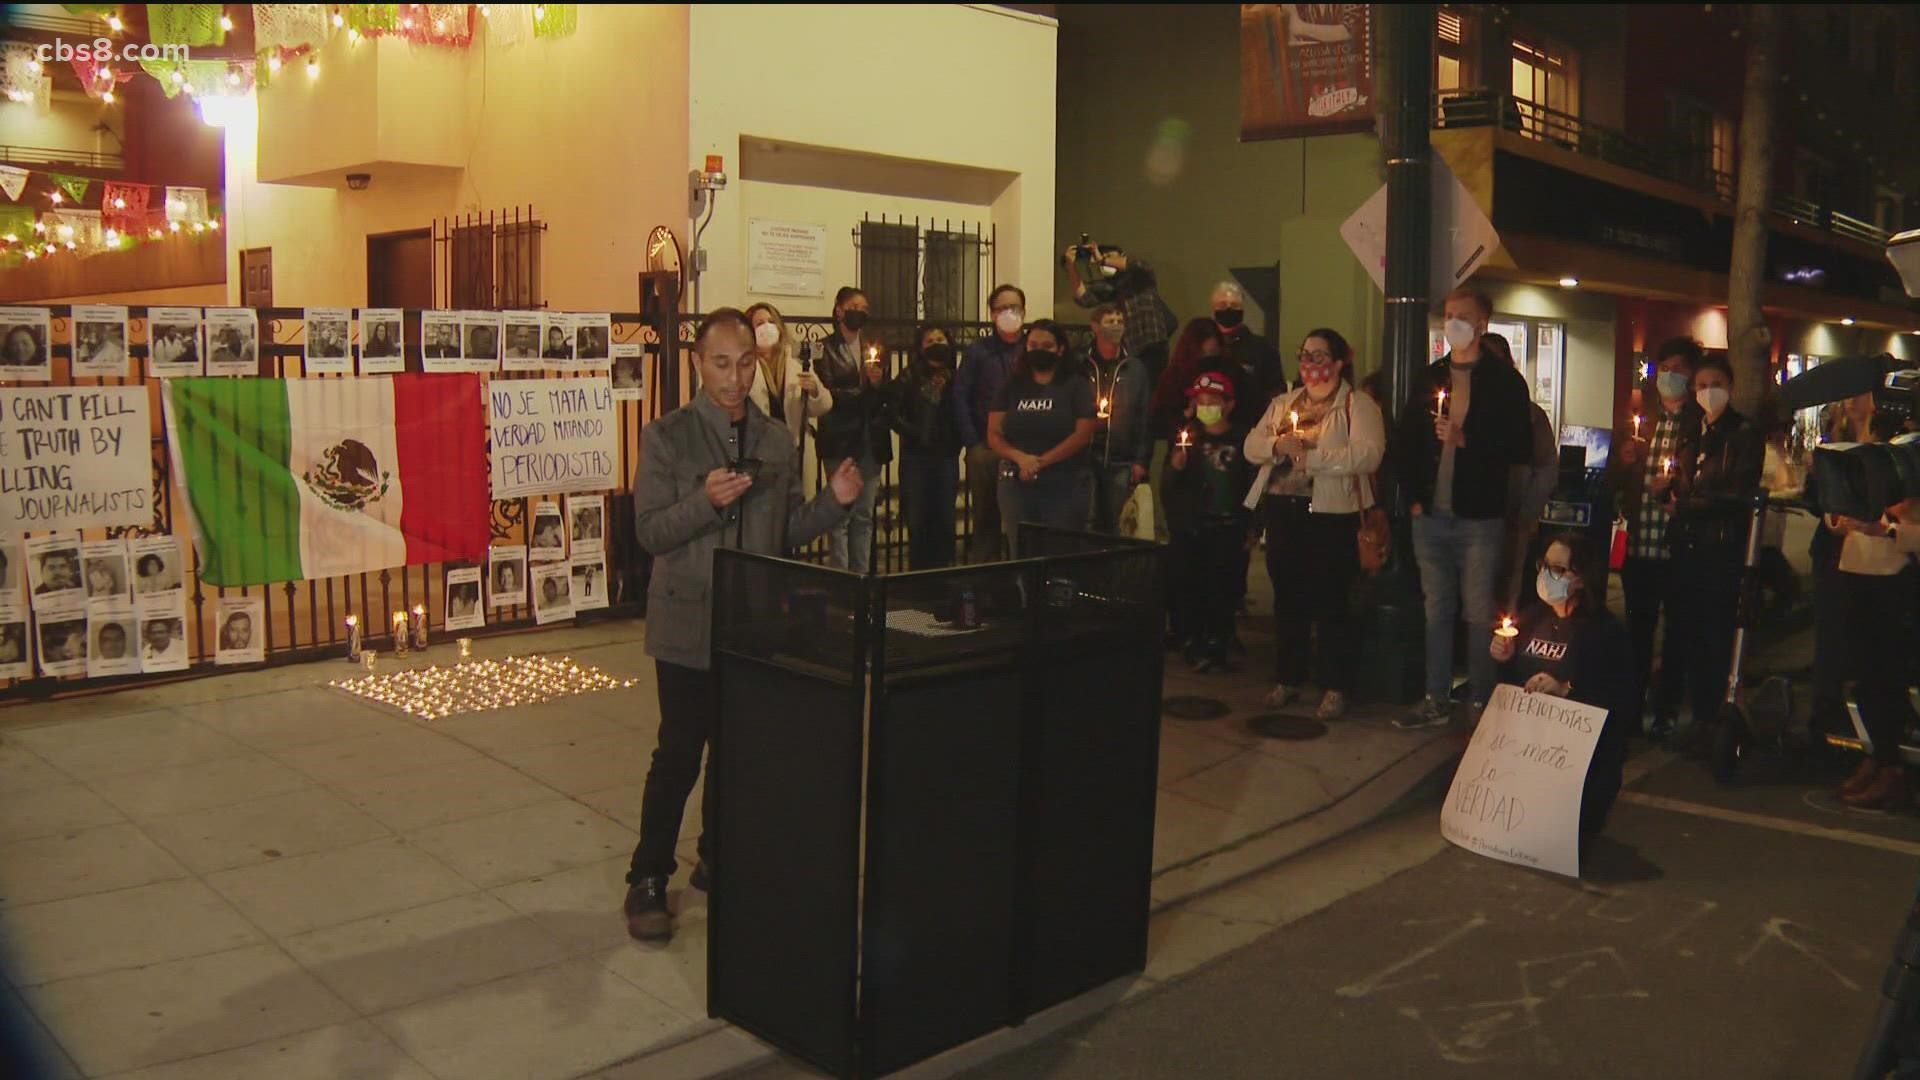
(1836, 380)
(806, 356)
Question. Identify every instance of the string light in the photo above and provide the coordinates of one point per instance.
(273, 63)
(226, 23)
(233, 78)
(119, 203)
(313, 68)
(34, 66)
(57, 198)
(114, 24)
(539, 12)
(353, 36)
(486, 12)
(107, 97)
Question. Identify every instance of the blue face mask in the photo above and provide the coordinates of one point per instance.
(1553, 588)
(1672, 384)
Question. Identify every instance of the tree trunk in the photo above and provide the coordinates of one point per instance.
(1749, 342)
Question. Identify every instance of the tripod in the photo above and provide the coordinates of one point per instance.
(1899, 992)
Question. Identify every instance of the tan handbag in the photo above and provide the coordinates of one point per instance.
(1375, 536)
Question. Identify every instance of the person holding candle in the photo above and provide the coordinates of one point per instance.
(781, 388)
(1570, 646)
(1647, 577)
(1040, 430)
(1317, 448)
(922, 413)
(984, 369)
(1453, 451)
(1876, 584)
(851, 367)
(1708, 498)
(689, 499)
(1204, 490)
(1122, 441)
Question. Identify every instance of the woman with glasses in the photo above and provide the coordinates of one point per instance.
(1317, 448)
(1569, 646)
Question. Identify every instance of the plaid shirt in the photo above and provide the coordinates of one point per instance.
(1648, 535)
(1149, 320)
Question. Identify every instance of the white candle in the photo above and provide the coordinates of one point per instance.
(353, 638)
(1636, 426)
(1506, 628)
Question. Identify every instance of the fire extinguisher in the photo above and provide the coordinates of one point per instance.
(1617, 549)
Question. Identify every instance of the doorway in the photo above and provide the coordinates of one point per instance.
(400, 269)
(256, 277)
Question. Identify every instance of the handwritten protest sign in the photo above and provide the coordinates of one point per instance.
(75, 457)
(552, 436)
(1516, 796)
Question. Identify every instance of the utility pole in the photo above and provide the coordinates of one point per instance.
(1407, 42)
(1749, 342)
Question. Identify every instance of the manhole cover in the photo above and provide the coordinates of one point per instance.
(1194, 708)
(1282, 726)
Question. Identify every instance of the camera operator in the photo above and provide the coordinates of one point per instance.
(1708, 491)
(1112, 277)
(1877, 581)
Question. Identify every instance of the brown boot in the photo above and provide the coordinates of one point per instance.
(1861, 777)
(1888, 791)
(646, 907)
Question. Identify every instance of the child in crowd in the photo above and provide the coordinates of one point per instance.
(1204, 492)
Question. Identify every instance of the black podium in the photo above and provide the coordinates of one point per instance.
(933, 795)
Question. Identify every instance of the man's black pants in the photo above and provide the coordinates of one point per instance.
(688, 704)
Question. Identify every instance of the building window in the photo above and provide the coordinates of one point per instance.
(1448, 55)
(1723, 161)
(1702, 153)
(1546, 91)
(472, 269)
(890, 269)
(952, 287)
(516, 251)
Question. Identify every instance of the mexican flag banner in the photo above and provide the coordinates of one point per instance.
(294, 479)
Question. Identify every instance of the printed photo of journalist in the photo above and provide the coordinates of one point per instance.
(23, 344)
(100, 348)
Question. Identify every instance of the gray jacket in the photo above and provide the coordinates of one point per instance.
(681, 530)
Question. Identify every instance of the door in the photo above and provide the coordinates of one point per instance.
(256, 291)
(400, 270)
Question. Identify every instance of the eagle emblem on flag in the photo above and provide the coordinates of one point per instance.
(348, 476)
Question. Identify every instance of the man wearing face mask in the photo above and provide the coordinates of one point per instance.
(1255, 354)
(1708, 494)
(983, 374)
(1647, 576)
(1122, 392)
(851, 368)
(1458, 438)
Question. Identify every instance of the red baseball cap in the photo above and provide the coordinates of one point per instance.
(1212, 382)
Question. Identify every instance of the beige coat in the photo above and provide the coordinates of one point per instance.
(817, 406)
(1344, 454)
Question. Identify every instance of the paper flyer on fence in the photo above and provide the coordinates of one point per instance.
(157, 565)
(173, 342)
(629, 372)
(105, 569)
(549, 534)
(113, 639)
(26, 345)
(552, 593)
(522, 331)
(241, 637)
(53, 571)
(507, 576)
(233, 341)
(100, 340)
(163, 632)
(464, 609)
(383, 341)
(589, 582)
(16, 646)
(587, 523)
(63, 637)
(329, 348)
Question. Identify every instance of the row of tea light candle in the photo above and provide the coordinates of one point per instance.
(406, 632)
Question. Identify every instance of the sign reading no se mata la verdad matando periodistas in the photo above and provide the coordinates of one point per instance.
(552, 436)
(1516, 796)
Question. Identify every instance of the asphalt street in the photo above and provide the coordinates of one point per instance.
(1719, 933)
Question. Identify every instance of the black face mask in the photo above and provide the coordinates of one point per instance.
(853, 320)
(1228, 318)
(1041, 360)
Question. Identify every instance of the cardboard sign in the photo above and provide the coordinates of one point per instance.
(75, 457)
(1516, 796)
(552, 436)
(1463, 238)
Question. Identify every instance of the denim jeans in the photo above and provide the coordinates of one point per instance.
(928, 484)
(1112, 486)
(851, 543)
(1459, 558)
(1060, 499)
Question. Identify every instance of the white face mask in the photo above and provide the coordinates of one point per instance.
(1009, 321)
(1552, 588)
(1459, 334)
(766, 335)
(1713, 399)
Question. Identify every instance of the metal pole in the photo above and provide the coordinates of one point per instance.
(1407, 42)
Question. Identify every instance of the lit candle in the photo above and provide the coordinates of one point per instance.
(1440, 403)
(1636, 425)
(419, 626)
(1293, 419)
(1506, 628)
(1186, 439)
(1666, 467)
(1106, 409)
(466, 648)
(353, 638)
(400, 633)
(370, 660)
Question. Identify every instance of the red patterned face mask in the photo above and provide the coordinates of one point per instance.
(1319, 373)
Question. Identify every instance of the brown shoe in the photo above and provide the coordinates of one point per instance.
(1888, 791)
(1861, 777)
(646, 907)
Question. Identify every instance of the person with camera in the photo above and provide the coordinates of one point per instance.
(1569, 646)
(1039, 430)
(1122, 437)
(977, 387)
(852, 368)
(1317, 448)
(716, 472)
(922, 413)
(1707, 488)
(1647, 575)
(1109, 276)
(785, 390)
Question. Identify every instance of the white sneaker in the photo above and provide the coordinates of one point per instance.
(1333, 705)
(1281, 695)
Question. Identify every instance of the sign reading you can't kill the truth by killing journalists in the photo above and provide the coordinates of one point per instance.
(75, 457)
(1516, 795)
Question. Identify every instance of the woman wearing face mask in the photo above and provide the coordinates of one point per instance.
(1571, 647)
(1200, 349)
(1040, 429)
(1317, 448)
(923, 414)
(784, 391)
(1708, 490)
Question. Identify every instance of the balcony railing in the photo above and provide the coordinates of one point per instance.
(38, 156)
(1688, 165)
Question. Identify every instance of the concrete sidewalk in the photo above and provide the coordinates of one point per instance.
(254, 875)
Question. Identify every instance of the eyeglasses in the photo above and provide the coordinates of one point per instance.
(1317, 356)
(1556, 571)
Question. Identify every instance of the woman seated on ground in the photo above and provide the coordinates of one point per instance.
(1571, 647)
